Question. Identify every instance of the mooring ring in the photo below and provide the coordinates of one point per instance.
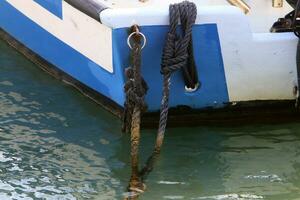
(138, 33)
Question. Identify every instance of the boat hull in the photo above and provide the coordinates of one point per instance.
(229, 80)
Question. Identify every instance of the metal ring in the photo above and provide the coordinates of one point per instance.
(191, 90)
(139, 33)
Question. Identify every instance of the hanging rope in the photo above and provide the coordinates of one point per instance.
(177, 54)
(135, 89)
(178, 51)
(135, 86)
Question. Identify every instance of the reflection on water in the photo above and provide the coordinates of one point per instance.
(229, 163)
(51, 146)
(56, 144)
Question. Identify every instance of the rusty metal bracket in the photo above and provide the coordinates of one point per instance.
(241, 4)
(277, 3)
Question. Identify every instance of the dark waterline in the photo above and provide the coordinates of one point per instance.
(57, 144)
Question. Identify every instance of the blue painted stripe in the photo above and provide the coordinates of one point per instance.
(60, 54)
(53, 6)
(208, 58)
(207, 50)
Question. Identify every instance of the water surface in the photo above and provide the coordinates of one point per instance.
(56, 144)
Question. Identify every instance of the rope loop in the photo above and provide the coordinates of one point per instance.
(177, 54)
(178, 50)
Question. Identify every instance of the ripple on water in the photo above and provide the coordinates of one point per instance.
(36, 162)
(231, 197)
(57, 145)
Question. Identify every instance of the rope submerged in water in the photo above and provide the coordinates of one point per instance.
(177, 54)
(135, 89)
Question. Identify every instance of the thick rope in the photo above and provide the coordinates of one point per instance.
(135, 89)
(176, 56)
(178, 50)
(135, 86)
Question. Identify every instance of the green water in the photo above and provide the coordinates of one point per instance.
(56, 144)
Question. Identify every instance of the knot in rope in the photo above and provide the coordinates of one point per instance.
(173, 59)
(134, 90)
(135, 86)
(178, 51)
(178, 54)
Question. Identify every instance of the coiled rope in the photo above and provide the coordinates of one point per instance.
(177, 54)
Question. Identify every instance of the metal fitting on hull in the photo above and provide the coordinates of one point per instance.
(241, 4)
